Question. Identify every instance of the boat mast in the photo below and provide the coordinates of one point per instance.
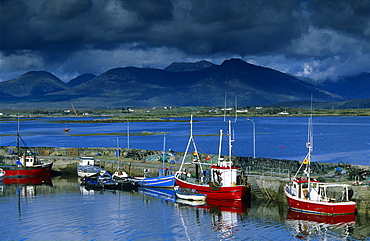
(128, 135)
(230, 140)
(309, 145)
(219, 149)
(118, 153)
(164, 150)
(191, 140)
(18, 145)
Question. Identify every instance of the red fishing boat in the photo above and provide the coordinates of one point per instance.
(27, 164)
(221, 181)
(305, 194)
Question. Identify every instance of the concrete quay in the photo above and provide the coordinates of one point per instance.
(267, 177)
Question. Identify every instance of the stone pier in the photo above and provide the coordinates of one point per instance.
(266, 176)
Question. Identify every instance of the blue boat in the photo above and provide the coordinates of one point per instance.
(165, 178)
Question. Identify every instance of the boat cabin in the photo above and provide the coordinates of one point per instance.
(27, 160)
(85, 161)
(321, 192)
(224, 174)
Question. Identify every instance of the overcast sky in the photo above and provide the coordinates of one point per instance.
(312, 38)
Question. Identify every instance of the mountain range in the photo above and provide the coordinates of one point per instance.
(180, 84)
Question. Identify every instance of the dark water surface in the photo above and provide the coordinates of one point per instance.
(336, 139)
(63, 210)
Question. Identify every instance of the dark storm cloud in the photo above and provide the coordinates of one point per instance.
(343, 15)
(202, 27)
(75, 36)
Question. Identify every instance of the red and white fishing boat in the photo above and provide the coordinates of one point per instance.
(27, 164)
(307, 195)
(221, 181)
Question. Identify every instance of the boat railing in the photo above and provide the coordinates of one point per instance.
(281, 172)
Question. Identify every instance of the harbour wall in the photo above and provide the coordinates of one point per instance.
(266, 176)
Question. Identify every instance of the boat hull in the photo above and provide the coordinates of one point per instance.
(338, 219)
(189, 195)
(320, 208)
(159, 182)
(37, 170)
(238, 192)
(88, 170)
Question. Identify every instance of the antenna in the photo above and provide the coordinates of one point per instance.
(128, 135)
(225, 109)
(164, 150)
(236, 107)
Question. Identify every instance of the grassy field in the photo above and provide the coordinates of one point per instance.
(166, 113)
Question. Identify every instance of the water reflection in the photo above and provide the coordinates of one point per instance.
(307, 226)
(64, 207)
(28, 181)
(162, 193)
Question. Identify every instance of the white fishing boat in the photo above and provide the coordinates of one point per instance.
(86, 167)
(305, 194)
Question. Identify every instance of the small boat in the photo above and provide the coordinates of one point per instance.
(222, 181)
(162, 181)
(194, 203)
(102, 181)
(189, 194)
(305, 194)
(66, 130)
(27, 164)
(86, 167)
(165, 178)
(119, 174)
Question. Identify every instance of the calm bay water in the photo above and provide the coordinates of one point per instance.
(64, 210)
(345, 139)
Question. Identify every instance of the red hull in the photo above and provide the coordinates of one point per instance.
(237, 206)
(349, 218)
(28, 180)
(321, 208)
(38, 170)
(223, 193)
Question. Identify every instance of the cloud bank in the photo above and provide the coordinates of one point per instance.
(310, 38)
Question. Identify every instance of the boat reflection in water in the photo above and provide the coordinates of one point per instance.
(305, 225)
(28, 181)
(225, 216)
(167, 194)
(24, 187)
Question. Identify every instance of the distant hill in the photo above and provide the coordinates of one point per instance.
(180, 84)
(80, 79)
(186, 67)
(353, 87)
(33, 83)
